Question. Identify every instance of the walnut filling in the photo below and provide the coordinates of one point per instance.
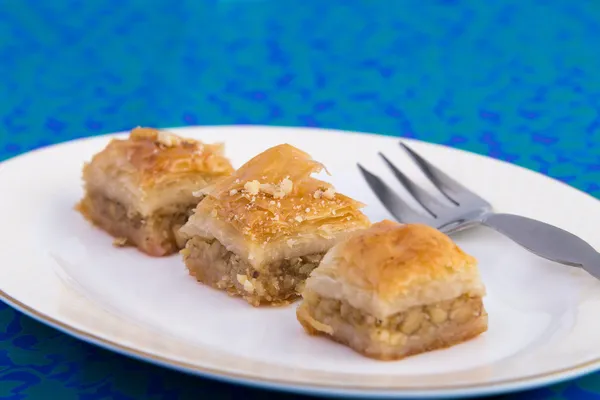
(409, 332)
(155, 234)
(277, 283)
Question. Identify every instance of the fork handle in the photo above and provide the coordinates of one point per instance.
(546, 241)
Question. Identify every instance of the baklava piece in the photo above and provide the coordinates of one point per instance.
(140, 189)
(260, 232)
(394, 290)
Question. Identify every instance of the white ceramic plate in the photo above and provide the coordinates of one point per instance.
(55, 267)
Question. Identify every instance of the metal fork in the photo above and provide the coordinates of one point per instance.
(469, 210)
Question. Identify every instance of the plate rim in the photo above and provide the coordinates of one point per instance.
(290, 127)
(466, 390)
(471, 390)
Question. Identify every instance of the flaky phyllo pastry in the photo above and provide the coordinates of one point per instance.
(394, 290)
(140, 189)
(261, 231)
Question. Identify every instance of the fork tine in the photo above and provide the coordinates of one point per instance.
(429, 203)
(394, 204)
(453, 190)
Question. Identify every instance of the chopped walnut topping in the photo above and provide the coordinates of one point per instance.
(286, 187)
(252, 187)
(329, 194)
(277, 191)
(168, 139)
(298, 218)
(307, 210)
(233, 192)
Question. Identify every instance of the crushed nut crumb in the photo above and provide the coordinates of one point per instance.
(185, 252)
(120, 242)
(298, 218)
(233, 192)
(248, 287)
(167, 139)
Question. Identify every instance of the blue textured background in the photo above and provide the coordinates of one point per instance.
(516, 80)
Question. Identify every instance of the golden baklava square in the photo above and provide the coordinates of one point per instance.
(140, 189)
(259, 233)
(395, 290)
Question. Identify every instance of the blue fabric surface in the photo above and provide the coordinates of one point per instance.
(515, 80)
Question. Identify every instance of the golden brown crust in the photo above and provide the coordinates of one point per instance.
(153, 156)
(391, 266)
(271, 201)
(264, 215)
(389, 257)
(152, 169)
